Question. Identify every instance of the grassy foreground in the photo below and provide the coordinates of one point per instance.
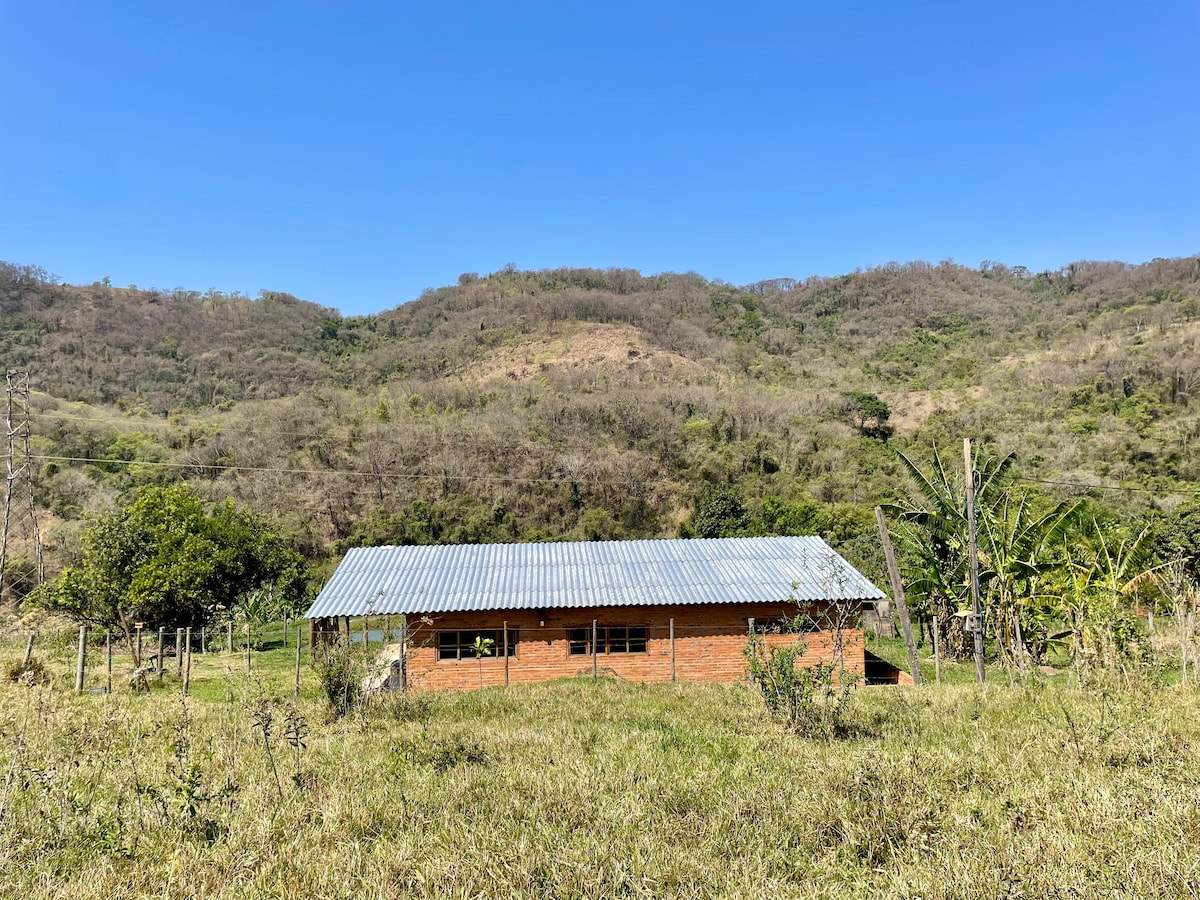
(598, 790)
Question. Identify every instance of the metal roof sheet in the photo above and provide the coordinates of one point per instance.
(454, 578)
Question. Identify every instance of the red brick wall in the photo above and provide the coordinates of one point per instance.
(709, 641)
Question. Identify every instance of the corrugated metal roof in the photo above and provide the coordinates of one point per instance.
(453, 578)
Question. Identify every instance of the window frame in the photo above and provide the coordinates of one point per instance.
(611, 640)
(464, 640)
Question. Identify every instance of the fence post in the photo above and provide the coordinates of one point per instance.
(82, 660)
(287, 623)
(671, 638)
(28, 649)
(229, 648)
(159, 666)
(179, 652)
(750, 633)
(108, 660)
(247, 647)
(404, 655)
(299, 634)
(187, 666)
(937, 649)
(506, 651)
(595, 659)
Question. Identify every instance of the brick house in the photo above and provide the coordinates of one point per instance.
(649, 610)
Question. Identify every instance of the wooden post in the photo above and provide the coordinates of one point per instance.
(299, 635)
(159, 667)
(506, 651)
(179, 652)
(387, 629)
(82, 659)
(671, 640)
(187, 666)
(247, 647)
(937, 649)
(108, 660)
(28, 649)
(889, 554)
(229, 648)
(1186, 643)
(287, 623)
(973, 557)
(138, 659)
(750, 633)
(404, 654)
(595, 658)
(366, 627)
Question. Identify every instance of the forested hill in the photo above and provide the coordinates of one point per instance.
(604, 403)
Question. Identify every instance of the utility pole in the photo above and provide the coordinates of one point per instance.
(973, 555)
(20, 538)
(914, 665)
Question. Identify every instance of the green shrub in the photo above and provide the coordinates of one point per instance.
(340, 668)
(812, 701)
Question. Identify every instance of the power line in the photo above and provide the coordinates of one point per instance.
(1110, 487)
(137, 425)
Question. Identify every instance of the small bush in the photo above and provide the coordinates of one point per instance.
(812, 701)
(32, 672)
(340, 668)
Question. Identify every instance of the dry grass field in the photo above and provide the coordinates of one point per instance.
(600, 790)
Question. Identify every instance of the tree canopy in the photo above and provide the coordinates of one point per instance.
(166, 560)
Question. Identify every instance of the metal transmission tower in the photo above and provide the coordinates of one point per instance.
(21, 568)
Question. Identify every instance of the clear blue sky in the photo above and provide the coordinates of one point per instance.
(355, 153)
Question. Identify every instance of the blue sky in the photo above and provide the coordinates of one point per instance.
(356, 153)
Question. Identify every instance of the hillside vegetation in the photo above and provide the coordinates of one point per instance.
(583, 403)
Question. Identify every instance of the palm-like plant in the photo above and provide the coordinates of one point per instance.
(1015, 539)
(1015, 550)
(1107, 567)
(934, 534)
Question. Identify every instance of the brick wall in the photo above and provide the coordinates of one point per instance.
(709, 641)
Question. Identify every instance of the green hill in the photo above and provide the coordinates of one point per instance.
(603, 403)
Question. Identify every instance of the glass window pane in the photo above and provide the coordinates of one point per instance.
(578, 638)
(637, 640)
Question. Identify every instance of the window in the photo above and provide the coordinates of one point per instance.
(609, 639)
(798, 624)
(461, 644)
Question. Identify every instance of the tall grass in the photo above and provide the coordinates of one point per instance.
(597, 790)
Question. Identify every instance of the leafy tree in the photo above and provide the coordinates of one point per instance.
(166, 561)
(1177, 536)
(870, 414)
(719, 512)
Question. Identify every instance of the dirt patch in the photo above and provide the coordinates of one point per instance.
(590, 347)
(910, 409)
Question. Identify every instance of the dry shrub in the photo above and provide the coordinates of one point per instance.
(32, 672)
